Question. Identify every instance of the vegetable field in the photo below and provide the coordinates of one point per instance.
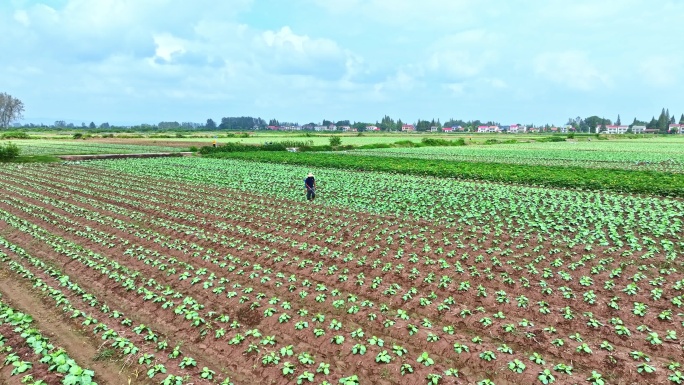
(54, 147)
(194, 270)
(661, 154)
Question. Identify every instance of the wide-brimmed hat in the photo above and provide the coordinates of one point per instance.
(310, 174)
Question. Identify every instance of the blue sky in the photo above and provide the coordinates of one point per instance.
(511, 61)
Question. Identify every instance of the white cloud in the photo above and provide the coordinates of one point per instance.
(661, 71)
(410, 14)
(401, 81)
(455, 88)
(572, 69)
(167, 46)
(355, 57)
(286, 52)
(22, 18)
(495, 83)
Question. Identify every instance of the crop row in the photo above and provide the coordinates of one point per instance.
(570, 215)
(301, 314)
(243, 232)
(44, 147)
(102, 318)
(628, 155)
(46, 354)
(625, 181)
(567, 291)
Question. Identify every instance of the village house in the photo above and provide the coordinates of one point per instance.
(488, 129)
(516, 128)
(615, 129)
(638, 129)
(678, 128)
(372, 128)
(448, 129)
(408, 128)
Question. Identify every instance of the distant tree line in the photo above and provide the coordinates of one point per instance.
(594, 124)
(11, 109)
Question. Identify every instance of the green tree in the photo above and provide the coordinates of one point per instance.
(360, 126)
(681, 120)
(593, 122)
(211, 125)
(11, 109)
(92, 126)
(423, 125)
(241, 123)
(387, 124)
(663, 121)
(617, 122)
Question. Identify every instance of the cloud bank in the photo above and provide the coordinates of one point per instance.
(130, 62)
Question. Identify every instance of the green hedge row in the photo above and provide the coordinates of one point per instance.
(640, 182)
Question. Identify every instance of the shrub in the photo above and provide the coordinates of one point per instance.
(554, 138)
(435, 142)
(15, 135)
(8, 152)
(228, 147)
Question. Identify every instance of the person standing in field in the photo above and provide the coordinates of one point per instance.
(310, 184)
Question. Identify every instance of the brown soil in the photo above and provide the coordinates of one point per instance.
(152, 217)
(52, 323)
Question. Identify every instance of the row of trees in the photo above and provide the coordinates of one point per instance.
(593, 124)
(11, 109)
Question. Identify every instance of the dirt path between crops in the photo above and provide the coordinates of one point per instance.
(52, 324)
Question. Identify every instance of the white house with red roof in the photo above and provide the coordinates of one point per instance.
(448, 129)
(515, 128)
(372, 128)
(408, 128)
(678, 128)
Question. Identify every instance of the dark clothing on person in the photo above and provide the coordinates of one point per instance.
(310, 184)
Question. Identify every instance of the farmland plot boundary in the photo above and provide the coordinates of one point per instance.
(624, 181)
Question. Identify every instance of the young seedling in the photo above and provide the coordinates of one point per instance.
(425, 359)
(516, 366)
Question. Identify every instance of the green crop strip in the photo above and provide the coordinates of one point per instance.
(642, 182)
